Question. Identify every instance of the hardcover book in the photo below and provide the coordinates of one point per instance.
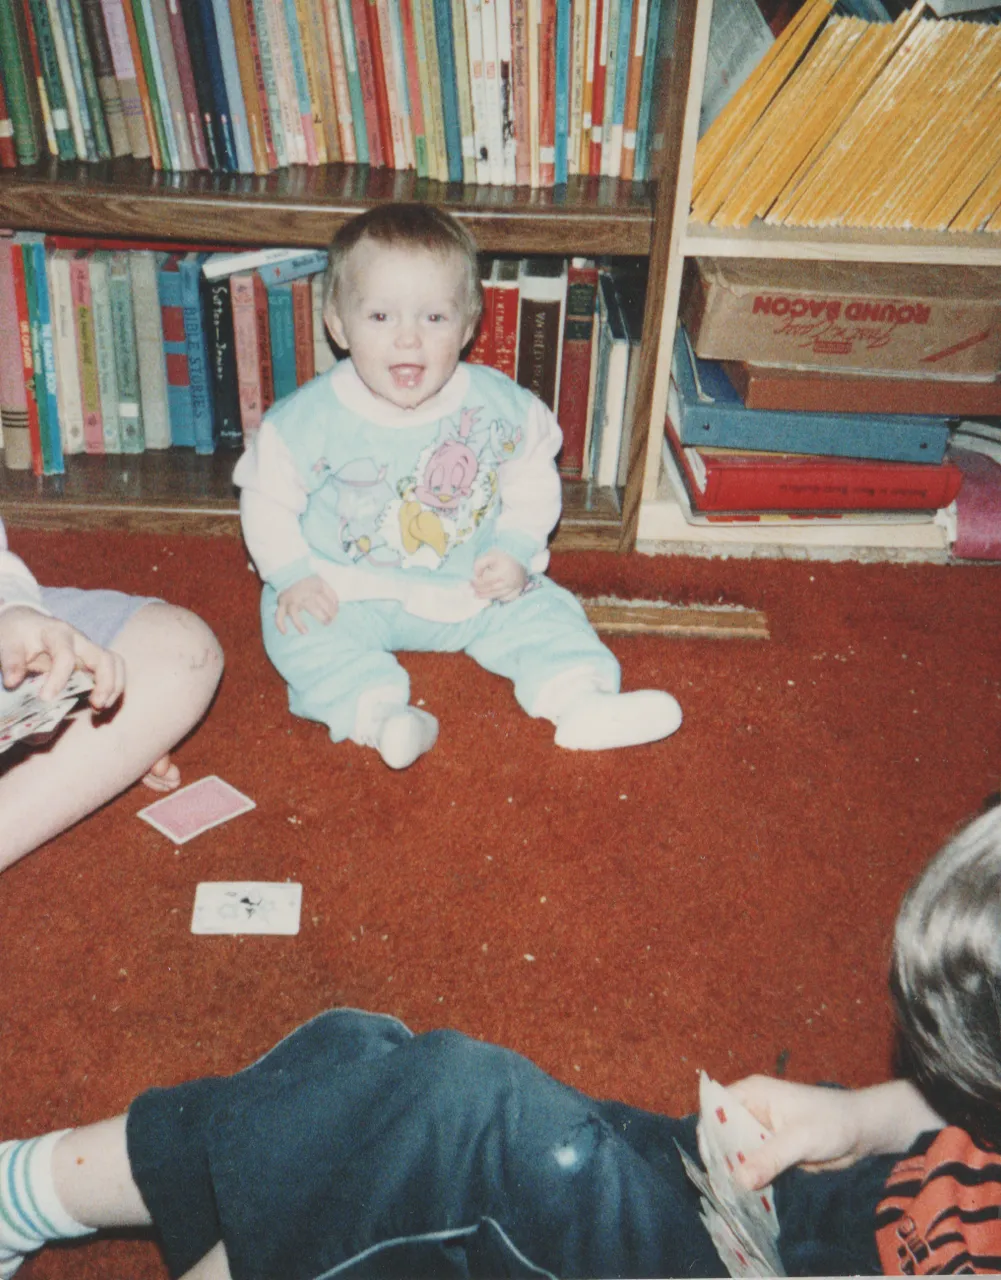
(227, 90)
(578, 339)
(218, 312)
(344, 75)
(20, 88)
(505, 283)
(125, 75)
(248, 365)
(13, 398)
(610, 384)
(107, 83)
(179, 397)
(104, 348)
(90, 390)
(367, 83)
(21, 274)
(542, 285)
(43, 353)
(65, 345)
(252, 88)
(190, 271)
(302, 328)
(126, 355)
(281, 328)
(52, 79)
(149, 349)
(482, 349)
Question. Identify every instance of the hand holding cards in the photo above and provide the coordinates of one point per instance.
(23, 714)
(743, 1224)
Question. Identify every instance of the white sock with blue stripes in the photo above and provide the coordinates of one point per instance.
(30, 1209)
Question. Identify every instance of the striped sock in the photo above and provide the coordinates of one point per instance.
(30, 1210)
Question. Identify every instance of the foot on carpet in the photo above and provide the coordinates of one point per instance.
(600, 721)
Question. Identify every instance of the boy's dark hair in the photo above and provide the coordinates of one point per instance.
(417, 226)
(945, 978)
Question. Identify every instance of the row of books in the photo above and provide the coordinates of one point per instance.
(849, 123)
(502, 92)
(119, 349)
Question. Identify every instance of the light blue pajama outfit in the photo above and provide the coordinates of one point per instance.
(393, 508)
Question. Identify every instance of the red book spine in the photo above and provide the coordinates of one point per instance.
(302, 327)
(506, 330)
(547, 94)
(366, 74)
(482, 350)
(413, 71)
(27, 360)
(780, 482)
(598, 91)
(189, 94)
(264, 344)
(379, 72)
(575, 369)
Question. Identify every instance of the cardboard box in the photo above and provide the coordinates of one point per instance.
(924, 320)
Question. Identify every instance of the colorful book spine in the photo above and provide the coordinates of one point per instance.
(492, 93)
(504, 279)
(578, 339)
(380, 91)
(34, 70)
(542, 305)
(13, 396)
(21, 277)
(255, 98)
(219, 105)
(126, 355)
(337, 60)
(617, 88)
(265, 363)
(168, 113)
(357, 117)
(522, 94)
(147, 95)
(8, 155)
(505, 73)
(482, 349)
(65, 346)
(431, 83)
(192, 111)
(68, 54)
(415, 98)
(203, 428)
(288, 97)
(218, 313)
(300, 81)
(125, 76)
(20, 88)
(578, 51)
(651, 46)
(210, 125)
(391, 68)
(302, 326)
(613, 12)
(598, 86)
(104, 347)
(150, 354)
(58, 109)
(463, 90)
(306, 262)
(265, 62)
(634, 81)
(233, 86)
(319, 74)
(403, 82)
(248, 366)
(88, 78)
(547, 93)
(281, 329)
(107, 82)
(43, 351)
(449, 87)
(179, 400)
(478, 90)
(561, 70)
(90, 391)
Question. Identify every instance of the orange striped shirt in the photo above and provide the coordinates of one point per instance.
(941, 1211)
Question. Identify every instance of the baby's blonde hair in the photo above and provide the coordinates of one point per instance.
(415, 226)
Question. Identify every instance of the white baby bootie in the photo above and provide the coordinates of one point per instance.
(600, 721)
(405, 734)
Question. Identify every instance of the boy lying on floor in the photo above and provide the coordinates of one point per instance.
(358, 1148)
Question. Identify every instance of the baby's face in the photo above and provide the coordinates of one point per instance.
(403, 315)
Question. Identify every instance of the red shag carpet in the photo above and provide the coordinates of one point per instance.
(721, 900)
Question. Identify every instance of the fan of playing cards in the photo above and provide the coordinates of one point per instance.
(743, 1224)
(23, 714)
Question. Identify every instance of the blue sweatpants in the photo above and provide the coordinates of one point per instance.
(531, 641)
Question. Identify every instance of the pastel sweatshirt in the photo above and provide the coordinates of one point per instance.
(17, 586)
(394, 504)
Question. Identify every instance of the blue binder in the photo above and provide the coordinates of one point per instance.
(706, 410)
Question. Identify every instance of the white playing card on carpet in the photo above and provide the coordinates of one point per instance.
(247, 906)
(196, 808)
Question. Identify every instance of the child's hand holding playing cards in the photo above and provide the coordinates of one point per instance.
(35, 643)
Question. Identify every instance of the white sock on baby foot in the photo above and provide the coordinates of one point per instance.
(599, 721)
(405, 734)
(31, 1212)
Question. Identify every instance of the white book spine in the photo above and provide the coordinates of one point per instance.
(491, 77)
(506, 71)
(65, 349)
(149, 349)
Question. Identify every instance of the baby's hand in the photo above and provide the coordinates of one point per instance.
(310, 595)
(498, 576)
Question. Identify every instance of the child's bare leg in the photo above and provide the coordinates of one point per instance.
(173, 665)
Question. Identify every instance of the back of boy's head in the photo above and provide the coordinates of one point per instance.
(946, 977)
(408, 226)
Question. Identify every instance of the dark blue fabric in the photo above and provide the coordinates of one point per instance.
(356, 1149)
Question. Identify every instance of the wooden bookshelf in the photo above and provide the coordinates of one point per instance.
(304, 206)
(176, 491)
